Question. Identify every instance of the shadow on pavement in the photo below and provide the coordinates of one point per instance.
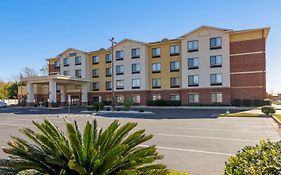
(159, 113)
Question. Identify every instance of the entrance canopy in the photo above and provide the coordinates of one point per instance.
(54, 80)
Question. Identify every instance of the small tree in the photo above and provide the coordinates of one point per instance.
(128, 102)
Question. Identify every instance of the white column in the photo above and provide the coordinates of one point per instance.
(63, 93)
(52, 91)
(30, 92)
(84, 91)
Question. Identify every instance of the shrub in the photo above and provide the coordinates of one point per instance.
(111, 151)
(257, 102)
(107, 103)
(161, 102)
(267, 102)
(260, 159)
(247, 102)
(98, 106)
(128, 102)
(54, 104)
(236, 102)
(268, 110)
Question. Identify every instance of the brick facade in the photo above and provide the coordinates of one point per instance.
(53, 69)
(248, 79)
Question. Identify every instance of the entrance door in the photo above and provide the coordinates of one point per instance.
(95, 99)
(75, 101)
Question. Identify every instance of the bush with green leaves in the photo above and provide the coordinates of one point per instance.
(236, 102)
(268, 110)
(96, 106)
(128, 102)
(113, 151)
(261, 159)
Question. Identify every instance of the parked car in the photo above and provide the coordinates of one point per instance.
(3, 104)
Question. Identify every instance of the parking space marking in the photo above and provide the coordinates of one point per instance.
(191, 150)
(202, 137)
(18, 125)
(226, 130)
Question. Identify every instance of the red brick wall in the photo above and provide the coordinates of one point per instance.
(247, 63)
(205, 95)
(244, 63)
(254, 79)
(247, 46)
(248, 93)
(52, 68)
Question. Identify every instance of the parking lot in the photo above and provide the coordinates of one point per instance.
(190, 142)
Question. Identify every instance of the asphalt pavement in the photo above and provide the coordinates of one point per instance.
(193, 141)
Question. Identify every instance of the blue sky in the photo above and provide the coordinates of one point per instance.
(34, 30)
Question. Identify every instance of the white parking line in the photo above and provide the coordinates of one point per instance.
(18, 125)
(226, 130)
(191, 150)
(201, 137)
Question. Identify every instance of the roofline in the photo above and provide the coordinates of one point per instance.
(267, 29)
(204, 26)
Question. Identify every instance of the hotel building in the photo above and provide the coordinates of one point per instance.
(208, 65)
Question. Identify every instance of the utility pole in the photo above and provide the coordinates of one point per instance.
(112, 74)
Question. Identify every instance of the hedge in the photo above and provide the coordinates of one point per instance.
(161, 102)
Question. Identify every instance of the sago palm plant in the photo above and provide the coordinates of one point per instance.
(113, 151)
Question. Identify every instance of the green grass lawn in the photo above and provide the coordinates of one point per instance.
(241, 114)
(278, 116)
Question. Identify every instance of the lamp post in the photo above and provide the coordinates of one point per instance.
(112, 73)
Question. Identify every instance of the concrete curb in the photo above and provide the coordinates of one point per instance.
(277, 121)
(192, 107)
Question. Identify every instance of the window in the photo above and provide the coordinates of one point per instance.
(119, 69)
(135, 53)
(108, 58)
(174, 66)
(136, 68)
(156, 83)
(156, 52)
(95, 73)
(136, 99)
(72, 54)
(174, 50)
(174, 82)
(77, 60)
(78, 73)
(96, 86)
(193, 80)
(216, 61)
(216, 97)
(108, 72)
(156, 97)
(193, 63)
(66, 72)
(119, 55)
(192, 46)
(216, 79)
(119, 84)
(57, 64)
(215, 43)
(193, 98)
(156, 68)
(108, 85)
(175, 97)
(66, 62)
(136, 83)
(95, 59)
(58, 88)
(120, 99)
